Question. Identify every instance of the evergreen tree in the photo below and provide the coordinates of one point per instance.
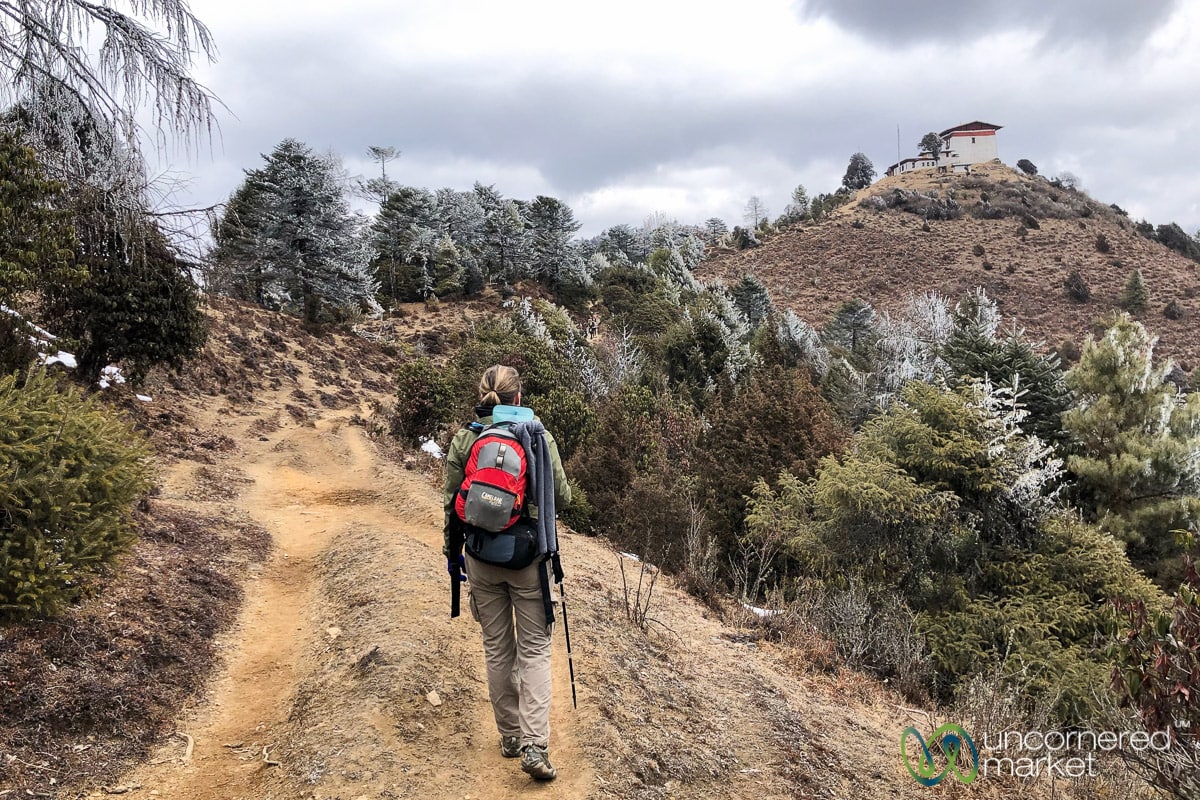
(446, 276)
(669, 264)
(300, 225)
(461, 217)
(1135, 296)
(37, 243)
(798, 209)
(111, 67)
(859, 173)
(853, 330)
(715, 229)
(140, 304)
(72, 471)
(379, 188)
(931, 143)
(973, 351)
(505, 252)
(691, 250)
(1135, 464)
(551, 226)
(752, 299)
(620, 245)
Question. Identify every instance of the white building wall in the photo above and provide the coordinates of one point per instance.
(971, 148)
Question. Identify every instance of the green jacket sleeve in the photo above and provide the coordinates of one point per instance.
(456, 461)
(562, 489)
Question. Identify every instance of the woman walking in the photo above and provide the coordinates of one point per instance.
(509, 593)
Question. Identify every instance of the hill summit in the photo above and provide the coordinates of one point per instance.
(1019, 237)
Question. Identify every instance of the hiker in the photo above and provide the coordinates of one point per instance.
(511, 603)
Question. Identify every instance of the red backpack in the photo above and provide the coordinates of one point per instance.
(492, 494)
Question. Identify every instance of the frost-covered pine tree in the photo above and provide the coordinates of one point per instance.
(801, 344)
(551, 226)
(295, 215)
(505, 250)
(620, 245)
(461, 217)
(909, 345)
(668, 263)
(691, 250)
(752, 299)
(107, 60)
(404, 242)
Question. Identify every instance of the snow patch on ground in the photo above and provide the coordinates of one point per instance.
(630, 556)
(145, 398)
(431, 447)
(110, 375)
(66, 359)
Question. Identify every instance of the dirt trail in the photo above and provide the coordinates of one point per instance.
(345, 679)
(312, 486)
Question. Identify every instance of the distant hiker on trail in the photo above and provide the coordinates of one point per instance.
(504, 478)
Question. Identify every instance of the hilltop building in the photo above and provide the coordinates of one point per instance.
(962, 146)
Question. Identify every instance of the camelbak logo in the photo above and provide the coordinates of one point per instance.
(491, 499)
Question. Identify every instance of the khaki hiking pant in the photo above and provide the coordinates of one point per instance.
(507, 603)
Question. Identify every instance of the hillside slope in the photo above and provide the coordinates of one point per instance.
(812, 270)
(343, 676)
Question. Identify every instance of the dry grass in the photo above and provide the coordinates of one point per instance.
(813, 270)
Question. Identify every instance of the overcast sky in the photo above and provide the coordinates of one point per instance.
(629, 107)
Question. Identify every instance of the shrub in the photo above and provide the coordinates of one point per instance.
(1175, 238)
(1077, 288)
(17, 352)
(928, 205)
(424, 399)
(499, 341)
(139, 305)
(977, 250)
(744, 239)
(37, 243)
(1045, 607)
(71, 471)
(779, 421)
(1174, 310)
(1135, 296)
(567, 414)
(1157, 672)
(637, 469)
(1102, 244)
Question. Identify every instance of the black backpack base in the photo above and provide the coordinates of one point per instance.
(515, 547)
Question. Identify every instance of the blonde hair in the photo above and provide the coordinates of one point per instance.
(499, 385)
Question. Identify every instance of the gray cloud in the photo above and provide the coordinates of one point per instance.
(1116, 23)
(575, 135)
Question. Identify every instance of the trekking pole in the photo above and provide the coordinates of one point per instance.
(455, 573)
(455, 592)
(562, 597)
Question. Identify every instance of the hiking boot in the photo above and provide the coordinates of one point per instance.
(536, 761)
(510, 746)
